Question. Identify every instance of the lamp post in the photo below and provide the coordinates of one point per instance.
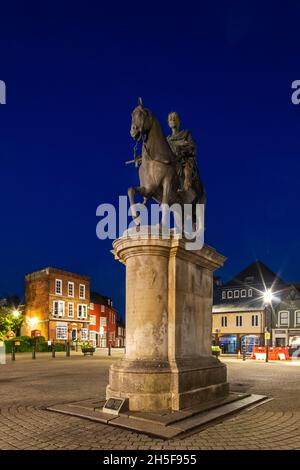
(268, 297)
(101, 335)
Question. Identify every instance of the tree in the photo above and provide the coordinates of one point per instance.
(9, 321)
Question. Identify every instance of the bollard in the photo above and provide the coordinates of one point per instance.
(68, 349)
(244, 355)
(33, 349)
(13, 352)
(53, 349)
(109, 349)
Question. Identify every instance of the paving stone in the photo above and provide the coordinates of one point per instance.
(26, 424)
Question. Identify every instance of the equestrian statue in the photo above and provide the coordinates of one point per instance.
(167, 167)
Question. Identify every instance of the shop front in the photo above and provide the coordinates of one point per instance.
(228, 344)
(248, 342)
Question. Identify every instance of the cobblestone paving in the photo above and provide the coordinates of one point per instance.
(27, 387)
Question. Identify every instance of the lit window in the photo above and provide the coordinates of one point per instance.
(243, 293)
(229, 294)
(92, 319)
(58, 308)
(84, 333)
(236, 294)
(70, 309)
(71, 289)
(81, 311)
(92, 306)
(81, 291)
(58, 286)
(102, 308)
(61, 332)
(284, 318)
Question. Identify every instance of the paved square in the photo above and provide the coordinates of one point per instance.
(28, 386)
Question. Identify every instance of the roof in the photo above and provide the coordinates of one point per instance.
(97, 298)
(48, 270)
(248, 306)
(256, 273)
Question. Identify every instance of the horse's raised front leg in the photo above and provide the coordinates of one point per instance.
(142, 191)
(165, 204)
(131, 192)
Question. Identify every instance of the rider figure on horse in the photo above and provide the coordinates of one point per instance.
(184, 148)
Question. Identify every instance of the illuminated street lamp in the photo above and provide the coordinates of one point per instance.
(268, 297)
(16, 313)
(33, 321)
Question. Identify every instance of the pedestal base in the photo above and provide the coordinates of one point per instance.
(168, 363)
(152, 385)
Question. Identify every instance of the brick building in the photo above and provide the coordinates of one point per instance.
(56, 304)
(120, 340)
(103, 321)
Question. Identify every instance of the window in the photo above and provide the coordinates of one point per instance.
(297, 317)
(236, 294)
(92, 319)
(254, 320)
(284, 318)
(239, 320)
(93, 338)
(70, 309)
(58, 286)
(61, 332)
(249, 279)
(224, 294)
(249, 292)
(102, 308)
(71, 289)
(84, 333)
(224, 321)
(92, 306)
(58, 308)
(243, 293)
(229, 294)
(111, 336)
(81, 291)
(81, 311)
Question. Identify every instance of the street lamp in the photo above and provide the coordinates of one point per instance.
(16, 313)
(33, 321)
(268, 297)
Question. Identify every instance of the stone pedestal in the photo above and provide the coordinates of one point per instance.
(168, 362)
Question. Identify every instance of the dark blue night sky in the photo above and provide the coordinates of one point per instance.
(73, 73)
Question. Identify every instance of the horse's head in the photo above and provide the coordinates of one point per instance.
(141, 121)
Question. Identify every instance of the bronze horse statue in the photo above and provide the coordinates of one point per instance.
(157, 172)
